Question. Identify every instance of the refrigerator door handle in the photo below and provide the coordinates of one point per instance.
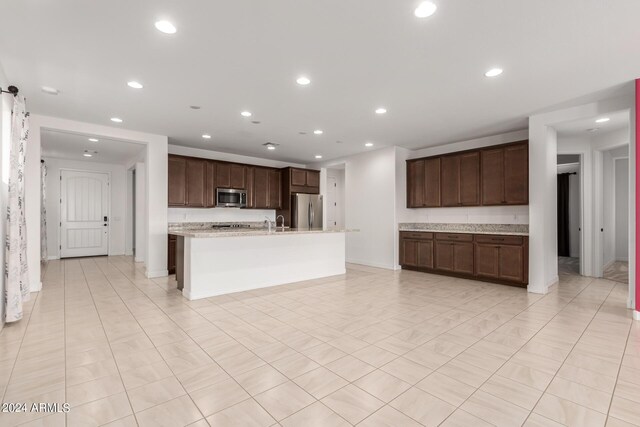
(313, 215)
(309, 216)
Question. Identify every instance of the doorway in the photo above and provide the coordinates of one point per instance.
(84, 213)
(569, 211)
(334, 194)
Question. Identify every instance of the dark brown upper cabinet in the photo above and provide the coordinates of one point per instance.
(423, 183)
(230, 175)
(261, 188)
(196, 182)
(461, 179)
(210, 185)
(505, 175)
(177, 174)
(275, 189)
(303, 180)
(490, 176)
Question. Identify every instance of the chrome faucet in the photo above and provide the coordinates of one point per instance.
(280, 216)
(268, 221)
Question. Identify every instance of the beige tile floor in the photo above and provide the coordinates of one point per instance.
(371, 348)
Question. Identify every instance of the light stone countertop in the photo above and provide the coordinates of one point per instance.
(500, 229)
(247, 232)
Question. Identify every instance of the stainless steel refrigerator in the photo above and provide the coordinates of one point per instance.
(306, 211)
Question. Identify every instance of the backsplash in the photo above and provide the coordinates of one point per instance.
(468, 215)
(219, 215)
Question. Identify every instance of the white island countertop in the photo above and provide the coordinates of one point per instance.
(230, 232)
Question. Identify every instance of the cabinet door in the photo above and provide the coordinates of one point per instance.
(177, 175)
(298, 177)
(415, 184)
(223, 175)
(444, 256)
(511, 263)
(171, 255)
(493, 176)
(516, 174)
(425, 253)
(409, 252)
(450, 187)
(251, 194)
(463, 258)
(470, 179)
(487, 260)
(238, 178)
(261, 188)
(432, 182)
(196, 174)
(313, 179)
(210, 185)
(275, 189)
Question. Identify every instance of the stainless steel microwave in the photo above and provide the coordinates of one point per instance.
(230, 198)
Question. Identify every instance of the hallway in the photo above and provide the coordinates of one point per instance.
(368, 348)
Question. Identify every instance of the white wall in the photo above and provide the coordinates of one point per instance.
(622, 209)
(118, 202)
(6, 101)
(477, 215)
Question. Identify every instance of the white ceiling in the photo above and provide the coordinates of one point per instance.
(232, 55)
(618, 120)
(63, 145)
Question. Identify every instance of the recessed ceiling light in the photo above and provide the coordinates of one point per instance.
(603, 120)
(494, 72)
(50, 90)
(270, 145)
(246, 114)
(93, 139)
(369, 144)
(425, 9)
(116, 119)
(318, 132)
(302, 80)
(381, 110)
(318, 156)
(206, 136)
(166, 27)
(88, 155)
(134, 85)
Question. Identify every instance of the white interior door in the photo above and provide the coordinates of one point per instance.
(331, 202)
(84, 214)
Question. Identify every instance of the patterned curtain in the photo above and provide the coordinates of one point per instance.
(15, 269)
(43, 212)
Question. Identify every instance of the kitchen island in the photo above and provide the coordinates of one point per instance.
(213, 262)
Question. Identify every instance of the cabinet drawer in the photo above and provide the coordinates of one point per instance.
(498, 239)
(416, 235)
(455, 237)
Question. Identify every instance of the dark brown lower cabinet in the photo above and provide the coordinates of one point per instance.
(493, 258)
(171, 254)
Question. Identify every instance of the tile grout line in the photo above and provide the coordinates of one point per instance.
(593, 281)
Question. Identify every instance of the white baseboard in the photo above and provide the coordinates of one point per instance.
(52, 257)
(158, 273)
(370, 264)
(636, 315)
(35, 286)
(136, 259)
